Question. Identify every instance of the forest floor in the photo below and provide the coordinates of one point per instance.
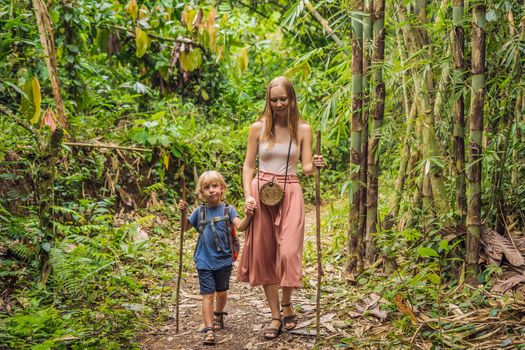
(248, 316)
(355, 315)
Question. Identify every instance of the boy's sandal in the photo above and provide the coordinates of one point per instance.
(218, 320)
(209, 336)
(290, 321)
(272, 333)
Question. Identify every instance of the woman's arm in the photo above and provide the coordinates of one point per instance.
(249, 161)
(309, 163)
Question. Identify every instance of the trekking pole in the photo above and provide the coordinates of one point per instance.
(183, 219)
(318, 237)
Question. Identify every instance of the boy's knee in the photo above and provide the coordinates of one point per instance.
(208, 296)
(221, 294)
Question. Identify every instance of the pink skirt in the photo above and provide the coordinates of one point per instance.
(273, 247)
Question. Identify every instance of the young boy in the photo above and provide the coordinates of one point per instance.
(213, 254)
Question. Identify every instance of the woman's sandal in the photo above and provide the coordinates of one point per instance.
(272, 333)
(209, 336)
(218, 320)
(290, 320)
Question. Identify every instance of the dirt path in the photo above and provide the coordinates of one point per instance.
(248, 315)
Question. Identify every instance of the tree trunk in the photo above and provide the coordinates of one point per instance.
(458, 47)
(46, 179)
(475, 139)
(375, 129)
(48, 43)
(355, 262)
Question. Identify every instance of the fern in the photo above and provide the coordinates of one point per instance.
(22, 251)
(156, 187)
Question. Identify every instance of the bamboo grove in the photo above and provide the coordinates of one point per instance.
(434, 152)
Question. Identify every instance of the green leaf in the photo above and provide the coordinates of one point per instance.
(443, 245)
(27, 106)
(426, 252)
(163, 140)
(435, 279)
(152, 139)
(37, 99)
(142, 42)
(139, 135)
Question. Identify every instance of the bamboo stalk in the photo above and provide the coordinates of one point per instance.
(366, 110)
(355, 262)
(415, 41)
(375, 130)
(519, 139)
(475, 140)
(458, 47)
(510, 116)
(403, 168)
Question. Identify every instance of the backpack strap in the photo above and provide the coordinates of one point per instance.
(228, 226)
(203, 222)
(202, 217)
(200, 225)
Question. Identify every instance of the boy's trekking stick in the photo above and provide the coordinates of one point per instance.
(318, 236)
(183, 219)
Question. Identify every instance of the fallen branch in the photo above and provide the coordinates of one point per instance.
(158, 37)
(103, 145)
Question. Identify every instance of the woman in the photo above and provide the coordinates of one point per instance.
(272, 254)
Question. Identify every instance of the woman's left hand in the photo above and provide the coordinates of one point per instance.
(318, 161)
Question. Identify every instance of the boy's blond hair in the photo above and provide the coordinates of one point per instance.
(209, 177)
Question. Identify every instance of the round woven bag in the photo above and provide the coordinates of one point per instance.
(271, 194)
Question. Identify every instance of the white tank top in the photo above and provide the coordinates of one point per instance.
(272, 159)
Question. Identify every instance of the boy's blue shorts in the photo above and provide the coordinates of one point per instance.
(212, 281)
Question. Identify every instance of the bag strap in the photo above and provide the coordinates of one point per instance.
(287, 159)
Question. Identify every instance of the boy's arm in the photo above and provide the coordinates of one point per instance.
(182, 206)
(242, 225)
(187, 225)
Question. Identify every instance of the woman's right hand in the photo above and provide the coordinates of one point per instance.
(183, 205)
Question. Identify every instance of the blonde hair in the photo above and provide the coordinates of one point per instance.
(209, 177)
(294, 117)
